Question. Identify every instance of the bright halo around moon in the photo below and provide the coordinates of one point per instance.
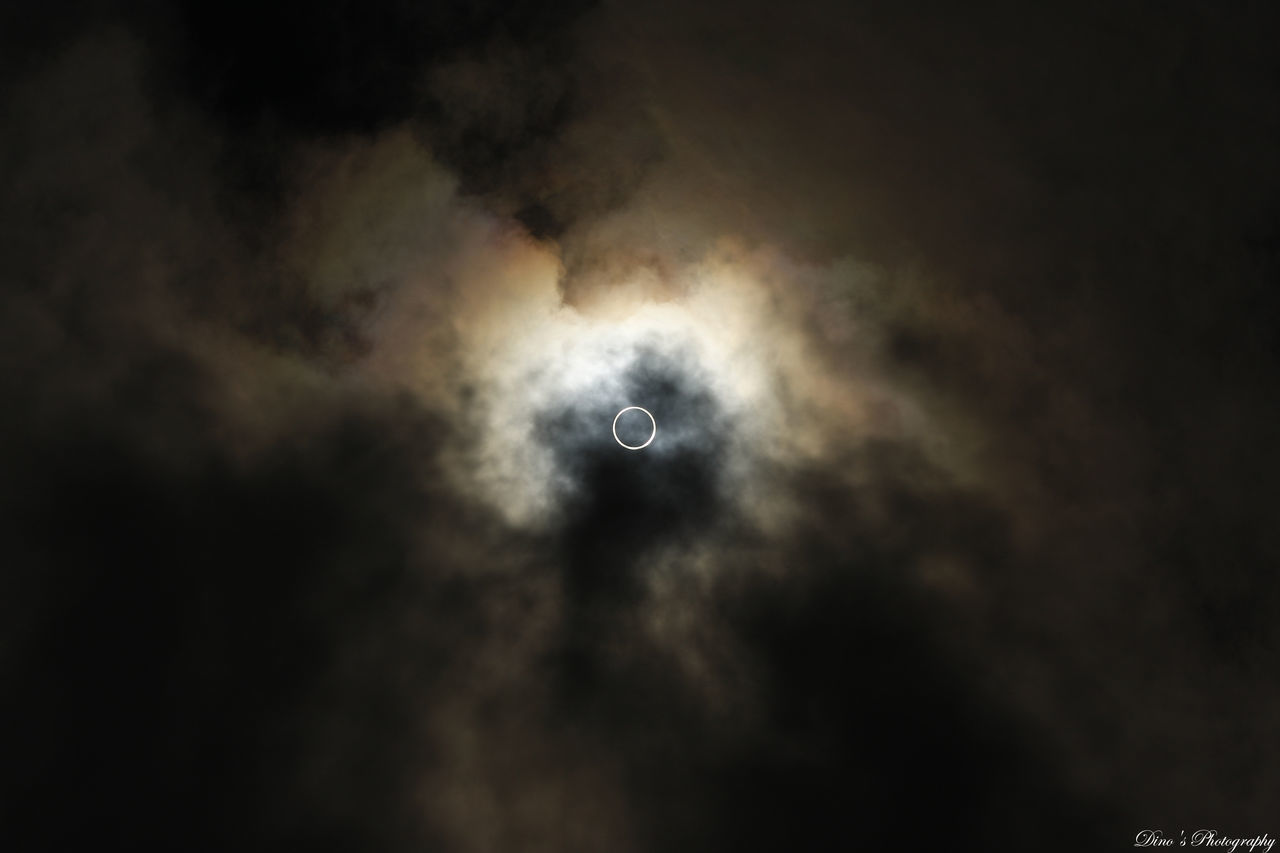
(652, 434)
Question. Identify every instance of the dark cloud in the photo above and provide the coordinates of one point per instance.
(184, 666)
(486, 84)
(958, 328)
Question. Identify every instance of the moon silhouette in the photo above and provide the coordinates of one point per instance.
(652, 435)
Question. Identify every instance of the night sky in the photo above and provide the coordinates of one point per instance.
(959, 323)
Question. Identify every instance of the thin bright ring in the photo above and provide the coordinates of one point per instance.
(652, 435)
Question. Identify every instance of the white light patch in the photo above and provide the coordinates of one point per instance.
(532, 358)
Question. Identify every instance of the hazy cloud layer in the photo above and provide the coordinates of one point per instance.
(959, 336)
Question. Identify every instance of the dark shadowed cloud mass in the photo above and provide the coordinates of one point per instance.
(958, 325)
